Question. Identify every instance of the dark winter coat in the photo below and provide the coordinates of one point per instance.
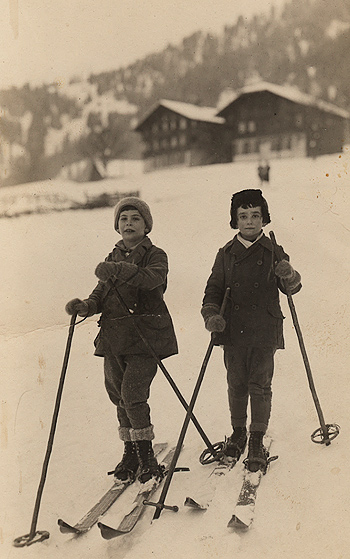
(253, 314)
(141, 284)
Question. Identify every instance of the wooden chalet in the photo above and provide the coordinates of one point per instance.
(268, 121)
(176, 133)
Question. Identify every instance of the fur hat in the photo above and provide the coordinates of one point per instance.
(249, 198)
(137, 203)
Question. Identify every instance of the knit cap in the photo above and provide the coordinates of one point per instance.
(137, 203)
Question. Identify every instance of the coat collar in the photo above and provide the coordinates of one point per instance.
(237, 248)
(138, 252)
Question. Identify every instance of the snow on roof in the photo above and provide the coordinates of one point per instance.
(291, 93)
(193, 112)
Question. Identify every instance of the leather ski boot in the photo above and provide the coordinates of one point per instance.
(257, 458)
(129, 464)
(149, 467)
(235, 444)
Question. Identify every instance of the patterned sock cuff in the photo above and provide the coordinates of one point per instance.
(145, 434)
(124, 434)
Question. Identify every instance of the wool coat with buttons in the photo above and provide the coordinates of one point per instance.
(253, 314)
(140, 283)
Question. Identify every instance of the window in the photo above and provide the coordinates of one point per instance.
(173, 141)
(287, 142)
(241, 127)
(251, 126)
(183, 123)
(276, 144)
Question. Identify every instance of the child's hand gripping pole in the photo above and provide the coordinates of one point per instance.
(326, 432)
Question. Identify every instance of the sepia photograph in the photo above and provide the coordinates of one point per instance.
(174, 200)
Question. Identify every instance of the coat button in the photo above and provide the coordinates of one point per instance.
(254, 307)
(259, 262)
(256, 284)
(236, 307)
(236, 284)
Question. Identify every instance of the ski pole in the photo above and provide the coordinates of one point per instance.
(212, 448)
(326, 432)
(35, 535)
(160, 505)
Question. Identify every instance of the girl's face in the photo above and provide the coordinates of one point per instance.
(249, 222)
(132, 227)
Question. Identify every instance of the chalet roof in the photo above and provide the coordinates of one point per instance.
(187, 110)
(290, 93)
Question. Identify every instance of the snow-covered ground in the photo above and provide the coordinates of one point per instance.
(302, 507)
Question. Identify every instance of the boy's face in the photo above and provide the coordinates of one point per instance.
(132, 227)
(249, 222)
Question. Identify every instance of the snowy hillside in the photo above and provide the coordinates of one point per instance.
(302, 509)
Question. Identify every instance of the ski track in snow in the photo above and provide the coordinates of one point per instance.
(302, 504)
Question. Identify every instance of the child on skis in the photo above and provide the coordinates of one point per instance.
(132, 280)
(251, 329)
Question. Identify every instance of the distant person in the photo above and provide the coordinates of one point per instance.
(264, 172)
(137, 270)
(251, 329)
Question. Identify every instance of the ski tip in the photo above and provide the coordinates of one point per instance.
(237, 524)
(107, 532)
(159, 447)
(191, 503)
(66, 528)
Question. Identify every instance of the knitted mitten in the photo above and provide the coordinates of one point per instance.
(106, 270)
(77, 306)
(213, 321)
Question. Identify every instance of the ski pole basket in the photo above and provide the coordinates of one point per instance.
(332, 431)
(207, 457)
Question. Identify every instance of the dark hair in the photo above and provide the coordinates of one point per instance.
(249, 198)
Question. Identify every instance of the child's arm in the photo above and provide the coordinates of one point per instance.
(213, 297)
(89, 306)
(149, 277)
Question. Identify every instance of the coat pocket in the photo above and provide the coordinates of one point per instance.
(274, 309)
